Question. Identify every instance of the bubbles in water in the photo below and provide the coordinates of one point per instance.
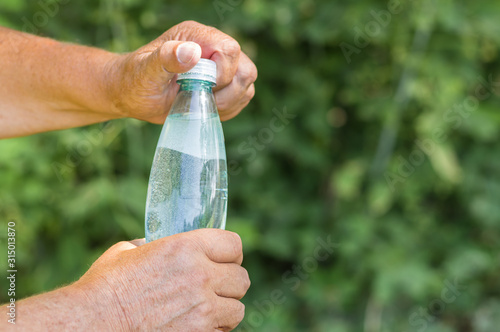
(188, 181)
(153, 221)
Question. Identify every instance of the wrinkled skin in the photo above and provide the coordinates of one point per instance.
(187, 282)
(146, 86)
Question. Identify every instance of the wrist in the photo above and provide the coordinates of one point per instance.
(89, 79)
(106, 69)
(100, 303)
(111, 73)
(66, 308)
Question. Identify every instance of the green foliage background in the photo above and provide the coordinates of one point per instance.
(341, 168)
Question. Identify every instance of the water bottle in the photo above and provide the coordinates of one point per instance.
(188, 181)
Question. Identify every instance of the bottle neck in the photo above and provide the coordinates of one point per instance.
(195, 85)
(195, 100)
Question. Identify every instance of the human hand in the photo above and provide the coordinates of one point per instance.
(186, 282)
(143, 85)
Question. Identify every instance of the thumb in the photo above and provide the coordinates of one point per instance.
(173, 57)
(138, 242)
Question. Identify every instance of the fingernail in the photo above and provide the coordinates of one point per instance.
(186, 52)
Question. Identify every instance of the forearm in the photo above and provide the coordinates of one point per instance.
(53, 311)
(48, 85)
(68, 308)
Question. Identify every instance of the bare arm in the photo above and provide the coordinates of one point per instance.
(66, 308)
(48, 85)
(187, 282)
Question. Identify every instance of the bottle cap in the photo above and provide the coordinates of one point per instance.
(205, 70)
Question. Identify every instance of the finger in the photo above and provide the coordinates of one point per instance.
(218, 245)
(227, 58)
(234, 97)
(170, 58)
(231, 280)
(230, 104)
(119, 248)
(123, 245)
(215, 45)
(229, 313)
(229, 99)
(245, 75)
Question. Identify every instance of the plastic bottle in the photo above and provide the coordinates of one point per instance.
(188, 182)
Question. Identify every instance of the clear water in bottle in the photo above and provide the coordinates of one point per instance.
(188, 181)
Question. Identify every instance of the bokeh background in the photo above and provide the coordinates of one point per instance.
(389, 149)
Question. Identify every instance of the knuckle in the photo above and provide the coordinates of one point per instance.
(197, 296)
(223, 105)
(247, 72)
(200, 323)
(183, 255)
(206, 309)
(231, 46)
(250, 92)
(191, 242)
(252, 72)
(189, 23)
(206, 324)
(203, 278)
(200, 277)
(238, 245)
(239, 313)
(246, 280)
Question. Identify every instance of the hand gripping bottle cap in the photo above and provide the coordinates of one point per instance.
(205, 70)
